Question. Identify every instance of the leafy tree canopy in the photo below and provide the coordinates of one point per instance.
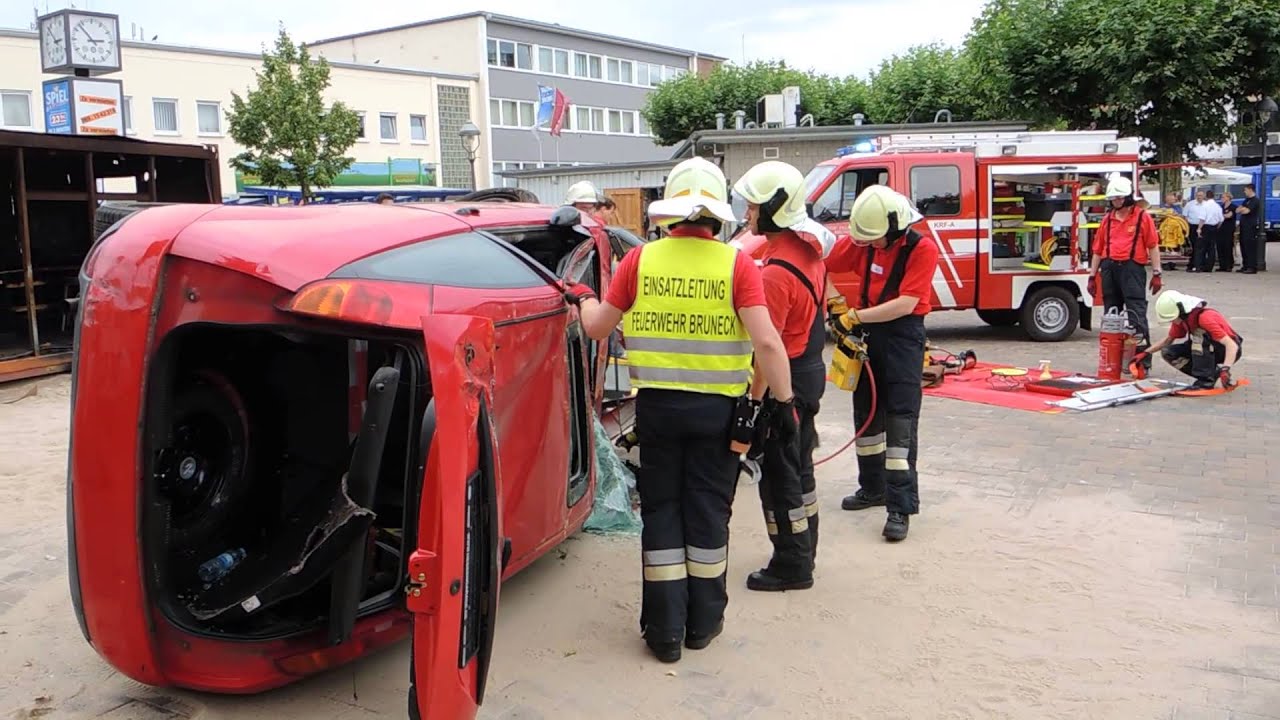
(291, 137)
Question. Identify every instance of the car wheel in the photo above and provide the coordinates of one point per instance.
(999, 318)
(1050, 314)
(204, 469)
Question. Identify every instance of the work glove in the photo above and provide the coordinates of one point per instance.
(575, 293)
(836, 306)
(786, 419)
(1092, 286)
(1156, 284)
(1224, 377)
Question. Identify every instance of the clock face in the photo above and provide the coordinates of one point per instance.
(53, 41)
(94, 41)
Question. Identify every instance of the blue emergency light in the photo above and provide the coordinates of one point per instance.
(860, 147)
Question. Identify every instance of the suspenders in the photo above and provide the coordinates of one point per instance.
(892, 282)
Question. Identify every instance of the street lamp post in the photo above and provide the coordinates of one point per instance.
(1266, 110)
(470, 135)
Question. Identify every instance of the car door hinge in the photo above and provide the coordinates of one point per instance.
(424, 576)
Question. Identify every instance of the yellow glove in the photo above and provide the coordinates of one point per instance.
(837, 308)
(849, 321)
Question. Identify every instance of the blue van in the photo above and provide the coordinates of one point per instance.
(1270, 194)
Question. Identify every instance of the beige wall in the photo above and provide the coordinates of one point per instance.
(740, 157)
(191, 76)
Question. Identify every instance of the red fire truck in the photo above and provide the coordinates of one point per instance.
(1012, 212)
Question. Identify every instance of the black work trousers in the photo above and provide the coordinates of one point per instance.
(687, 479)
(1226, 246)
(1249, 246)
(788, 492)
(1124, 284)
(1204, 247)
(1200, 355)
(887, 450)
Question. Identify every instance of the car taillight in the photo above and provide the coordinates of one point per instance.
(343, 300)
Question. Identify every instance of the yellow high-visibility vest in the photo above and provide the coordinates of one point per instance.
(683, 333)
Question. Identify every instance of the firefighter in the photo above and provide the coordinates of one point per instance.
(1125, 243)
(694, 307)
(896, 264)
(583, 195)
(794, 284)
(1211, 346)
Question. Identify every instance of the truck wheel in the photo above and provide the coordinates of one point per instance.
(999, 318)
(1050, 314)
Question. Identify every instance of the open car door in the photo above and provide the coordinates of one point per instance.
(455, 568)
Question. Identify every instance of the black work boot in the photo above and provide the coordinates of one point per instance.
(667, 652)
(895, 528)
(1204, 384)
(861, 501)
(697, 641)
(765, 581)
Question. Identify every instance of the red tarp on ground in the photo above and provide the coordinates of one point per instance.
(976, 385)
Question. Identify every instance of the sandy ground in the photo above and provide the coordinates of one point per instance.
(1005, 609)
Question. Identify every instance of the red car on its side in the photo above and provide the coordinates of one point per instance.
(301, 434)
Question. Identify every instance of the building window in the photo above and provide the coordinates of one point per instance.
(562, 62)
(642, 73)
(626, 72)
(615, 121)
(936, 190)
(524, 56)
(615, 73)
(511, 113)
(493, 52)
(209, 118)
(597, 120)
(642, 124)
(629, 122)
(127, 109)
(582, 118)
(418, 128)
(580, 65)
(15, 109)
(387, 129)
(597, 67)
(364, 131)
(508, 54)
(655, 75)
(453, 105)
(671, 73)
(546, 60)
(166, 116)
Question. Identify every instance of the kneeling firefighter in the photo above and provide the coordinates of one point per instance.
(794, 281)
(694, 308)
(1209, 347)
(896, 266)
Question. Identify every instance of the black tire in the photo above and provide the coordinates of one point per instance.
(999, 318)
(499, 195)
(206, 466)
(113, 211)
(1050, 314)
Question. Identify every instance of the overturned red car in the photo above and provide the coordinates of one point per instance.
(301, 434)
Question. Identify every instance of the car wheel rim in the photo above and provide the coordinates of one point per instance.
(197, 465)
(1051, 315)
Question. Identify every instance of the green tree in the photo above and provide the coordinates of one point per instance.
(1165, 70)
(913, 86)
(678, 108)
(290, 136)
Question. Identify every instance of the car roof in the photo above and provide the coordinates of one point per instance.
(291, 246)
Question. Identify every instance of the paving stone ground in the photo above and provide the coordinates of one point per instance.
(1115, 564)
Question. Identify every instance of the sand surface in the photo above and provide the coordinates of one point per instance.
(1062, 608)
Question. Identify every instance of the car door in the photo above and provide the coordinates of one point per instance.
(455, 568)
(591, 263)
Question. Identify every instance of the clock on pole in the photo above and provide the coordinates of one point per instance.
(80, 46)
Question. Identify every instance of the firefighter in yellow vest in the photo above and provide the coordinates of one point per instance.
(694, 308)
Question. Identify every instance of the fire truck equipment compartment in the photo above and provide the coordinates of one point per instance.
(1041, 207)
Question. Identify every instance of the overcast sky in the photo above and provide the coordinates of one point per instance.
(834, 36)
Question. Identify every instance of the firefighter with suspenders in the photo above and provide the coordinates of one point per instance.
(694, 309)
(794, 281)
(896, 264)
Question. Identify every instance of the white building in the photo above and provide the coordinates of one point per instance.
(182, 94)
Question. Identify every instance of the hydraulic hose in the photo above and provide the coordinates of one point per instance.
(871, 378)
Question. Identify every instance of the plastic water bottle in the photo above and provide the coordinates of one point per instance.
(217, 568)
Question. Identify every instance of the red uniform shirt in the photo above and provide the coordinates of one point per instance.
(791, 305)
(917, 279)
(748, 288)
(1211, 321)
(1123, 234)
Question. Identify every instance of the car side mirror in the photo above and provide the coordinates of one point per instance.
(566, 217)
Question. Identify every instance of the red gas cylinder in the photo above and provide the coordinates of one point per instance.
(1112, 339)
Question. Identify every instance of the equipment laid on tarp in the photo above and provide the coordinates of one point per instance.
(1120, 394)
(613, 512)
